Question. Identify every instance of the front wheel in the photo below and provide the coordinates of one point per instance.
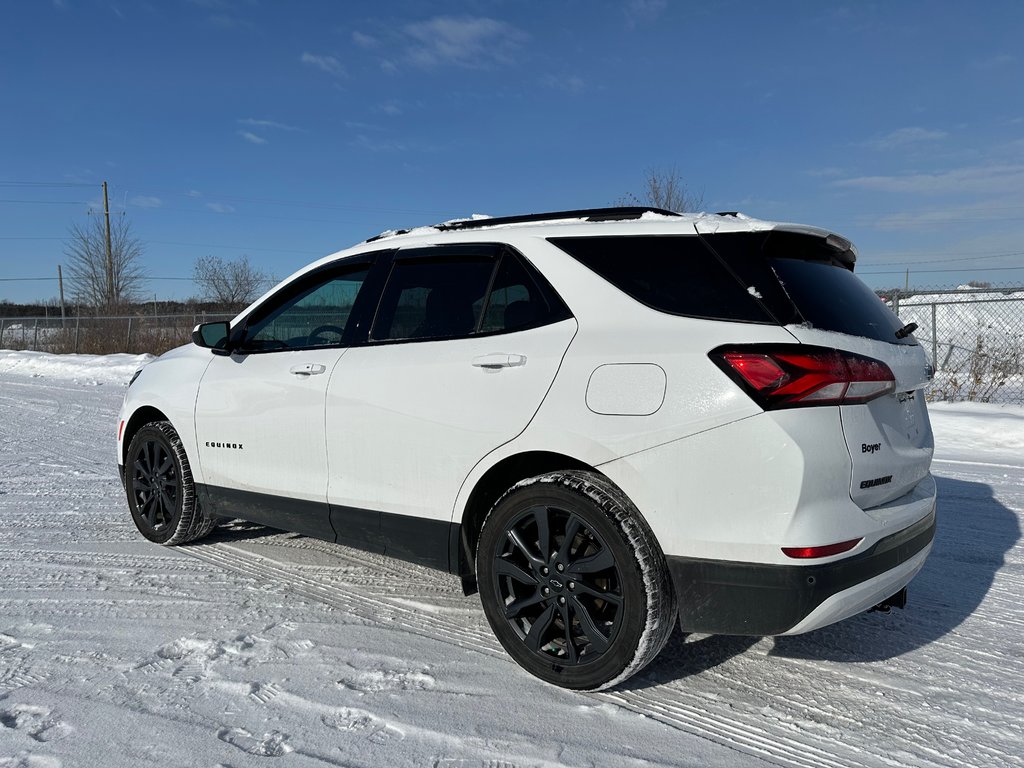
(573, 582)
(161, 494)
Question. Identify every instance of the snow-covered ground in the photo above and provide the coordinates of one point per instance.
(263, 648)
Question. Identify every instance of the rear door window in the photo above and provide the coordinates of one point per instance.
(433, 298)
(464, 290)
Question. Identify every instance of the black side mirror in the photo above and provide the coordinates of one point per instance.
(213, 336)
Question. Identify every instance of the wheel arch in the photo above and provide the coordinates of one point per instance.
(147, 414)
(488, 489)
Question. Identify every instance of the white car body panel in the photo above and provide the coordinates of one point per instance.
(267, 405)
(420, 415)
(169, 384)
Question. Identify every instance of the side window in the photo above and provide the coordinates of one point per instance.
(673, 274)
(433, 298)
(315, 315)
(514, 301)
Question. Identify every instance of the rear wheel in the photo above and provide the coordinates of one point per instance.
(161, 494)
(573, 582)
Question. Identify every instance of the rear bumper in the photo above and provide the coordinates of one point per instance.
(729, 598)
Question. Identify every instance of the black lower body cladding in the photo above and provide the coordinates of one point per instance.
(727, 598)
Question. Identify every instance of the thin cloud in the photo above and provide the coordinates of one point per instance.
(904, 137)
(193, 193)
(220, 207)
(474, 42)
(145, 201)
(328, 64)
(369, 144)
(363, 40)
(994, 62)
(252, 138)
(928, 220)
(567, 83)
(979, 179)
(391, 108)
(253, 122)
(355, 125)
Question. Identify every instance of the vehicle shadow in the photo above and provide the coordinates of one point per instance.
(683, 658)
(973, 535)
(237, 530)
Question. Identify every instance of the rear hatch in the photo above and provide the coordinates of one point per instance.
(805, 279)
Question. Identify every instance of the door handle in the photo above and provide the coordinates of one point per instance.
(307, 369)
(497, 360)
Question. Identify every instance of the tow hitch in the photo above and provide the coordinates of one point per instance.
(899, 600)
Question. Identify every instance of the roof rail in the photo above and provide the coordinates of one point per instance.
(620, 213)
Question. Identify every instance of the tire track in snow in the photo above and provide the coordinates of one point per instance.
(692, 715)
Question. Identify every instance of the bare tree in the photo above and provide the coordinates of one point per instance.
(98, 278)
(228, 282)
(664, 188)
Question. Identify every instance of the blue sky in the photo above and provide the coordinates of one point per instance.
(288, 130)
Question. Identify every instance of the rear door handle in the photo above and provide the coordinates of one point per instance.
(307, 369)
(499, 360)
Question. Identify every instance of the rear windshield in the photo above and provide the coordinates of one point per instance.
(754, 277)
(807, 283)
(834, 299)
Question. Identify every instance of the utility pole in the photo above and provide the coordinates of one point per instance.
(60, 282)
(110, 254)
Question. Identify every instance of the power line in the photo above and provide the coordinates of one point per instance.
(965, 269)
(189, 245)
(279, 201)
(54, 279)
(947, 261)
(48, 202)
(38, 184)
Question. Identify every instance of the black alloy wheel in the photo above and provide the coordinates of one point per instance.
(573, 582)
(161, 494)
(559, 585)
(156, 484)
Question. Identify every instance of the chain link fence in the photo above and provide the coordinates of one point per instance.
(974, 338)
(101, 335)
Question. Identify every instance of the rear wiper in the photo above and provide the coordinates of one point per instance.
(906, 330)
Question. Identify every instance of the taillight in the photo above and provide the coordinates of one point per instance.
(797, 375)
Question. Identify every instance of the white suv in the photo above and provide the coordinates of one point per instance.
(603, 420)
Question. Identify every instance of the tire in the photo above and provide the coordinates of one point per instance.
(161, 494)
(593, 605)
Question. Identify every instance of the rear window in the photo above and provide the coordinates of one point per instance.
(673, 274)
(834, 299)
(803, 279)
